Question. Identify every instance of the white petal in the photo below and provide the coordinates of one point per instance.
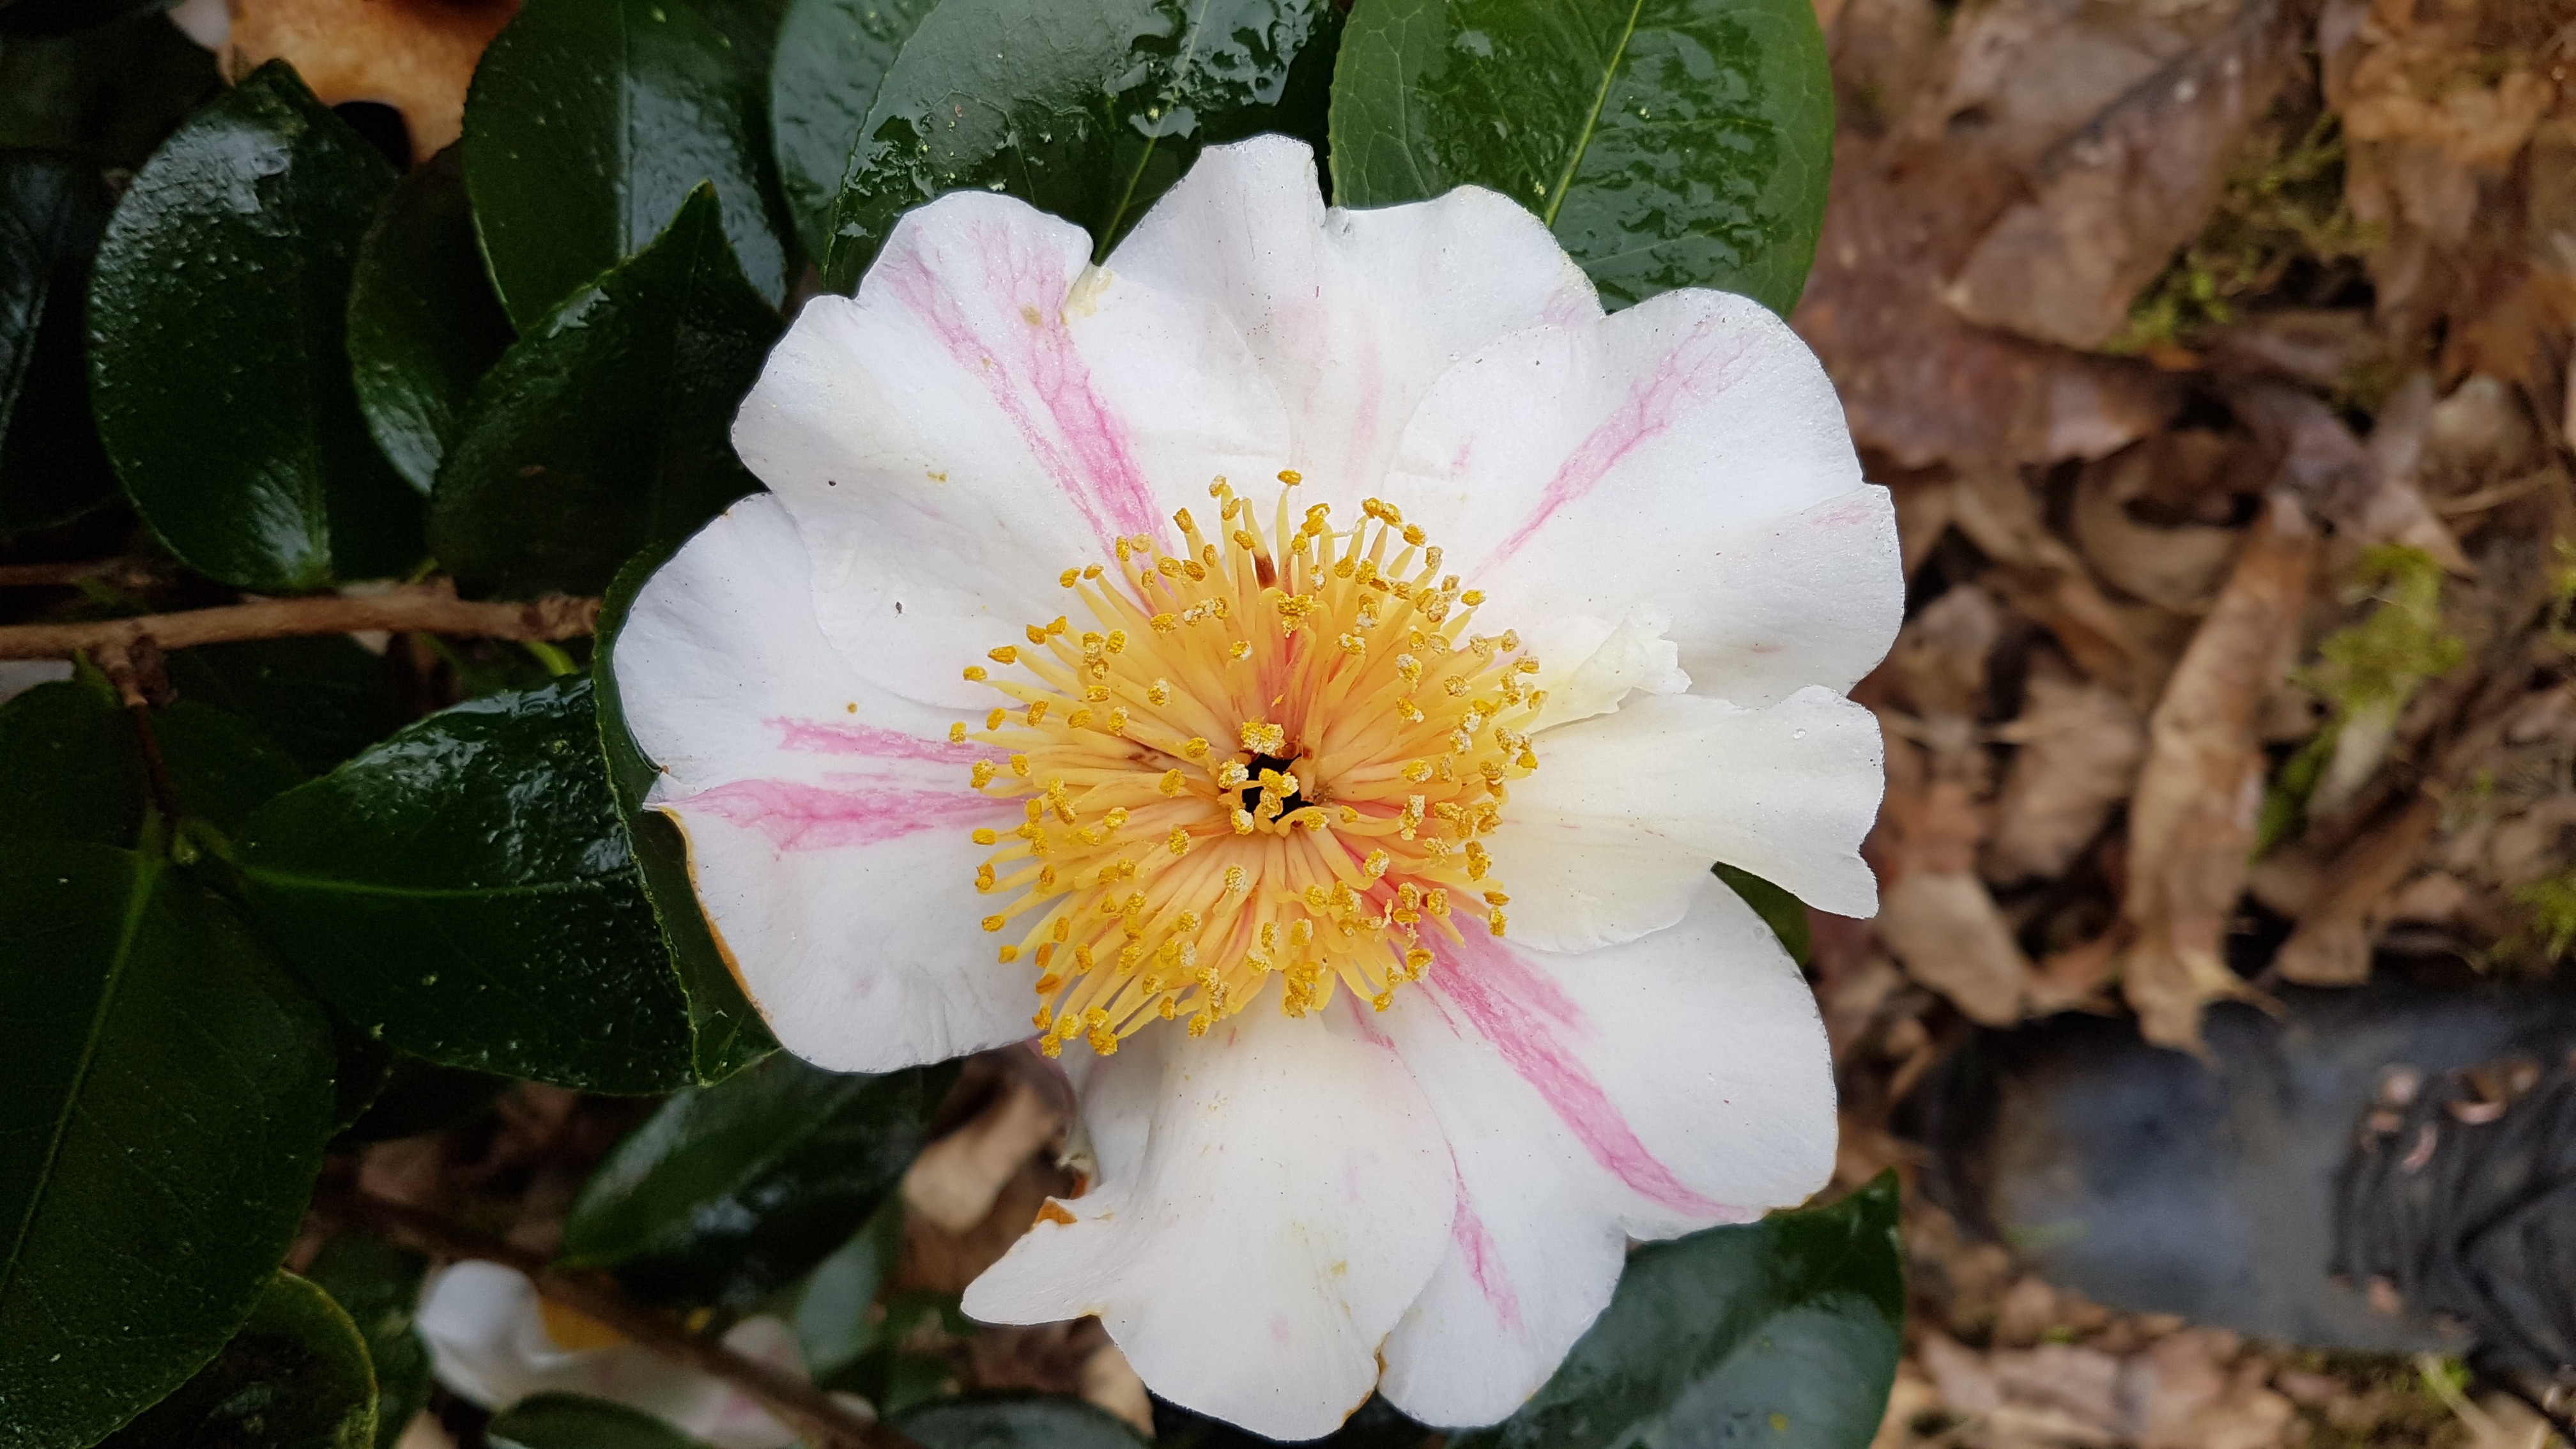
(984, 413)
(1588, 667)
(1249, 1255)
(1687, 453)
(827, 820)
(1351, 314)
(1627, 811)
(1641, 1091)
(489, 1343)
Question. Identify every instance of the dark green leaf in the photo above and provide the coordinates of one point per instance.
(1782, 1332)
(295, 1377)
(379, 1285)
(420, 1096)
(108, 94)
(1784, 913)
(1091, 111)
(169, 1092)
(592, 121)
(1017, 1424)
(605, 429)
(569, 1421)
(730, 1192)
(1667, 143)
(71, 764)
(322, 700)
(424, 324)
(726, 1032)
(62, 17)
(52, 210)
(218, 363)
(464, 890)
(831, 1313)
(831, 54)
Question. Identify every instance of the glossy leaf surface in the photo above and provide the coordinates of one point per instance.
(1090, 112)
(606, 429)
(71, 764)
(170, 1090)
(463, 889)
(1025, 1423)
(591, 121)
(831, 55)
(218, 364)
(570, 1421)
(1784, 913)
(52, 210)
(322, 700)
(378, 1286)
(424, 324)
(1667, 143)
(732, 1191)
(1783, 1332)
(295, 1377)
(726, 1032)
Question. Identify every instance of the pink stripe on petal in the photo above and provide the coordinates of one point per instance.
(1693, 371)
(1484, 1261)
(1528, 1019)
(798, 816)
(1080, 443)
(835, 737)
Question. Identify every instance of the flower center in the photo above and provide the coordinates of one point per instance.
(1266, 758)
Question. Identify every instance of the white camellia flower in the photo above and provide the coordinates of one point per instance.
(1321, 654)
(493, 1341)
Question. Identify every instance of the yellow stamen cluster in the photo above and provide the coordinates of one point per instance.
(1275, 752)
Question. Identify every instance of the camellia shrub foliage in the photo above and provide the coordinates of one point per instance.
(260, 907)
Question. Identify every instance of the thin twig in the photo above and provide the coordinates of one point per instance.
(130, 573)
(815, 1416)
(413, 608)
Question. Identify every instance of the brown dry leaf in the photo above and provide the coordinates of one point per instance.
(2191, 825)
(1952, 937)
(2116, 198)
(416, 56)
(2178, 565)
(2332, 944)
(954, 1182)
(2076, 758)
(2043, 578)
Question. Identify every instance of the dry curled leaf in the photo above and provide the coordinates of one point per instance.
(416, 56)
(2076, 757)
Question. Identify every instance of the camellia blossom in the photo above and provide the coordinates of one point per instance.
(1299, 673)
(493, 1341)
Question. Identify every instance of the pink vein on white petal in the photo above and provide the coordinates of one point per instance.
(798, 816)
(1525, 1016)
(1484, 1261)
(1692, 371)
(1092, 464)
(838, 737)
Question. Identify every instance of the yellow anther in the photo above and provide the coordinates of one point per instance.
(1164, 623)
(1004, 654)
(1037, 633)
(1194, 749)
(1007, 955)
(984, 835)
(1376, 864)
(976, 674)
(1179, 843)
(994, 717)
(1494, 922)
(1497, 898)
(1069, 577)
(1159, 693)
(1037, 712)
(1079, 719)
(1263, 738)
(1472, 598)
(995, 922)
(1171, 783)
(1116, 643)
(1242, 820)
(1292, 478)
(957, 733)
(982, 774)
(1416, 961)
(1020, 766)
(1239, 649)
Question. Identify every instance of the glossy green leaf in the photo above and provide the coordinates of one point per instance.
(109, 94)
(218, 364)
(1781, 1333)
(592, 121)
(422, 1096)
(833, 1311)
(831, 55)
(1017, 1423)
(169, 1092)
(295, 1377)
(1784, 913)
(322, 700)
(730, 1192)
(71, 764)
(424, 323)
(1093, 108)
(463, 889)
(606, 429)
(52, 209)
(1667, 143)
(378, 1285)
(570, 1421)
(726, 1032)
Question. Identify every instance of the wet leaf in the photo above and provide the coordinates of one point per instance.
(606, 428)
(1667, 143)
(295, 1377)
(169, 1097)
(1782, 1332)
(1024, 1423)
(52, 210)
(322, 700)
(217, 358)
(424, 324)
(831, 55)
(379, 1287)
(1092, 111)
(570, 1421)
(592, 121)
(730, 1192)
(71, 763)
(464, 890)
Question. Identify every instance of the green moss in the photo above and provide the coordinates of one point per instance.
(2552, 928)
(2381, 661)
